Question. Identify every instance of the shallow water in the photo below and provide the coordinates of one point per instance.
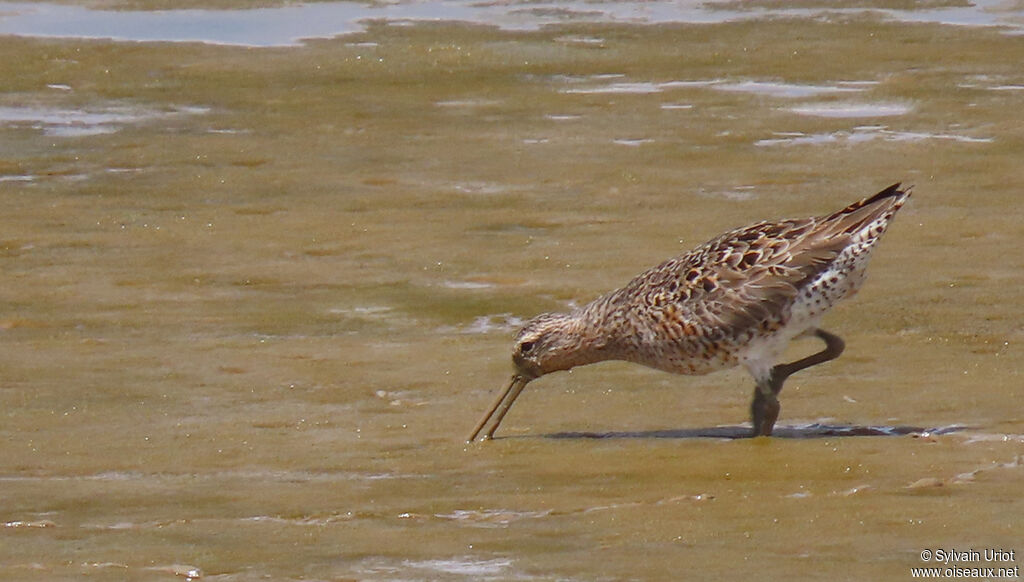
(266, 24)
(254, 299)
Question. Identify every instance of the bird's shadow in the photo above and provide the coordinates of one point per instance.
(804, 431)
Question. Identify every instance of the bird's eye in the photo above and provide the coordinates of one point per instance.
(525, 347)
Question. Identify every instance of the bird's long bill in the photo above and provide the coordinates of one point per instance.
(501, 406)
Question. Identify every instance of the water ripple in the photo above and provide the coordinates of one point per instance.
(863, 134)
(289, 25)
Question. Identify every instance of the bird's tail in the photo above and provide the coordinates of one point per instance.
(879, 207)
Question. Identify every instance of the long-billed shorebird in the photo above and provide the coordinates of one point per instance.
(736, 300)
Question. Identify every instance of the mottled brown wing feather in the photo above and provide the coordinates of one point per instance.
(744, 276)
(781, 258)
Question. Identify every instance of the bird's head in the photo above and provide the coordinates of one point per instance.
(547, 343)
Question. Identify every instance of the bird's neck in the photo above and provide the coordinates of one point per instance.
(596, 332)
(577, 341)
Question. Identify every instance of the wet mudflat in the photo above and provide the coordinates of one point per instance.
(254, 298)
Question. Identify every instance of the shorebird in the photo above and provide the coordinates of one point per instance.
(738, 299)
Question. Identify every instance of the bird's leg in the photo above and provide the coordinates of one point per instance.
(833, 348)
(764, 410)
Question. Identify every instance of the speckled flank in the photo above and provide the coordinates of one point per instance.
(737, 299)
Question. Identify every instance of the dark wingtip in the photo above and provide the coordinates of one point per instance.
(890, 192)
(894, 194)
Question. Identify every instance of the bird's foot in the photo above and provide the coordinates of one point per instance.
(764, 411)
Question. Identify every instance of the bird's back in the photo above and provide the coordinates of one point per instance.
(698, 312)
